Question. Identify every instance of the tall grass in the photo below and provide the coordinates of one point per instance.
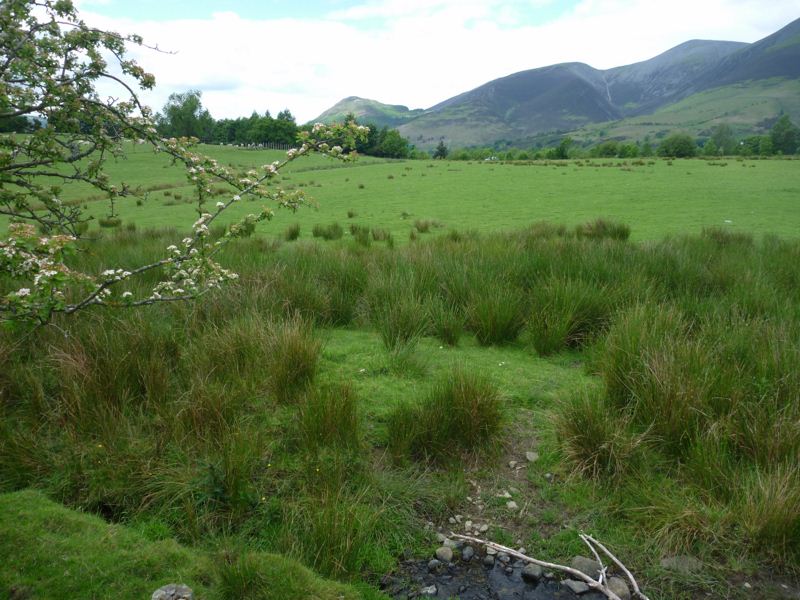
(182, 413)
(462, 413)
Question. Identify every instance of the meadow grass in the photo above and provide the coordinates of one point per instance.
(654, 198)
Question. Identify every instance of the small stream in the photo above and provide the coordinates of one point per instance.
(473, 580)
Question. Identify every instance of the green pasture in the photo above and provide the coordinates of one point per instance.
(655, 197)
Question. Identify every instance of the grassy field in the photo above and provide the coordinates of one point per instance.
(654, 197)
(345, 397)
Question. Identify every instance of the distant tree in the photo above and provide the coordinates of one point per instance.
(628, 151)
(184, 116)
(710, 148)
(785, 136)
(441, 150)
(605, 150)
(765, 147)
(724, 139)
(561, 151)
(391, 144)
(678, 145)
(646, 149)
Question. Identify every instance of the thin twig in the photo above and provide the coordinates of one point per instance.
(622, 567)
(602, 578)
(593, 584)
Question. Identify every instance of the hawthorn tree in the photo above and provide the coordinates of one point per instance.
(51, 64)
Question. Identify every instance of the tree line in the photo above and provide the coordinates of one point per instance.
(184, 115)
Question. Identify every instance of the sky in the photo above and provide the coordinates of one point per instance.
(306, 55)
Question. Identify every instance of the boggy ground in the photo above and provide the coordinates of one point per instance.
(341, 395)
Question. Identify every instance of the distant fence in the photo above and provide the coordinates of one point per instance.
(265, 146)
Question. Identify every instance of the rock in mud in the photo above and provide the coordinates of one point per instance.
(532, 573)
(173, 591)
(682, 564)
(444, 554)
(577, 587)
(619, 587)
(587, 566)
(467, 553)
(428, 591)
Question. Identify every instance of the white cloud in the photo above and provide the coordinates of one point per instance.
(423, 52)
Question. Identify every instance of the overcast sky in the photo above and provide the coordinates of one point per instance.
(305, 55)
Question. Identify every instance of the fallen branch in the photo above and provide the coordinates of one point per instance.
(600, 585)
(593, 542)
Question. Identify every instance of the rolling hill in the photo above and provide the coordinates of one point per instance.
(369, 111)
(691, 86)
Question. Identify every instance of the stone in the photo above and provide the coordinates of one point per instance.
(747, 586)
(440, 537)
(428, 591)
(532, 573)
(451, 520)
(434, 564)
(488, 560)
(511, 505)
(491, 551)
(467, 553)
(682, 564)
(504, 494)
(512, 464)
(587, 566)
(484, 528)
(503, 557)
(173, 591)
(531, 456)
(444, 554)
(577, 587)
(619, 587)
(459, 518)
(509, 570)
(450, 544)
(468, 525)
(522, 550)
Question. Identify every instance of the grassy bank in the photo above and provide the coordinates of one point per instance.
(53, 552)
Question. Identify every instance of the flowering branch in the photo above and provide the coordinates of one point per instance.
(50, 64)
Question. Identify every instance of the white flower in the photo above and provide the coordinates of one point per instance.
(220, 205)
(127, 294)
(23, 292)
(236, 198)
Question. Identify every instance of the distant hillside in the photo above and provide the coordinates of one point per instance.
(369, 111)
(691, 86)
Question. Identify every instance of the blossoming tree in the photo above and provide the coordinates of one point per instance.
(51, 63)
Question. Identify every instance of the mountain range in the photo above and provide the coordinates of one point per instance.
(691, 87)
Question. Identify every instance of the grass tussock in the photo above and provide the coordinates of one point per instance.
(328, 417)
(462, 413)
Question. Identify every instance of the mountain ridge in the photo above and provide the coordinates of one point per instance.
(571, 97)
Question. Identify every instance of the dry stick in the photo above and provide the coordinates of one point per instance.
(622, 567)
(602, 579)
(595, 585)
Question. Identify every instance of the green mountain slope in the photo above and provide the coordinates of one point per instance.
(748, 107)
(369, 111)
